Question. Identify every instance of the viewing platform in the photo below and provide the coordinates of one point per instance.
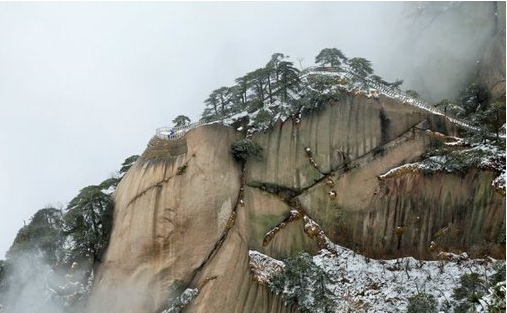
(173, 133)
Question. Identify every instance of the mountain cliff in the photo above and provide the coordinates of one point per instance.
(187, 213)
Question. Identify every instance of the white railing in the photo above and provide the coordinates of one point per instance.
(172, 133)
(393, 93)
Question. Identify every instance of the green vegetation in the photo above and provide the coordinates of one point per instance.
(499, 275)
(361, 66)
(483, 148)
(3, 276)
(476, 105)
(88, 223)
(304, 284)
(331, 57)
(497, 304)
(59, 237)
(412, 93)
(474, 98)
(472, 288)
(128, 163)
(258, 89)
(245, 149)
(181, 120)
(491, 118)
(447, 159)
(422, 303)
(276, 91)
(43, 234)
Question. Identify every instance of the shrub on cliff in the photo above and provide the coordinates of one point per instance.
(246, 148)
(422, 303)
(304, 284)
(472, 288)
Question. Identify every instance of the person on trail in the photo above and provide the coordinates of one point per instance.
(172, 133)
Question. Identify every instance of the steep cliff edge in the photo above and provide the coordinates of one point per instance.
(170, 211)
(187, 213)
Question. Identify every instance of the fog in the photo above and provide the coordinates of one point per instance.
(83, 85)
(36, 287)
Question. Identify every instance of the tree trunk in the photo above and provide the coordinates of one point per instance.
(270, 93)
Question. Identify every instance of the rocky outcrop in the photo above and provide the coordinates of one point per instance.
(234, 290)
(411, 215)
(344, 195)
(342, 132)
(170, 211)
(188, 212)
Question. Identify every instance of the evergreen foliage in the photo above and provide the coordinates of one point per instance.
(43, 235)
(361, 66)
(304, 284)
(272, 92)
(412, 93)
(499, 275)
(181, 120)
(471, 289)
(88, 222)
(396, 84)
(474, 98)
(60, 237)
(128, 163)
(3, 275)
(245, 149)
(276, 92)
(492, 118)
(330, 56)
(497, 303)
(422, 303)
(475, 105)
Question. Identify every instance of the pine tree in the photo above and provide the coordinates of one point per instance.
(396, 84)
(128, 163)
(361, 67)
(471, 289)
(330, 56)
(492, 118)
(88, 221)
(242, 85)
(258, 80)
(412, 93)
(43, 236)
(181, 120)
(288, 79)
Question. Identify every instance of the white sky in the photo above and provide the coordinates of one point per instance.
(83, 85)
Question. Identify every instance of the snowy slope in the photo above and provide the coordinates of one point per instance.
(360, 284)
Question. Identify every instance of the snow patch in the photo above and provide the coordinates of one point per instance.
(264, 267)
(361, 284)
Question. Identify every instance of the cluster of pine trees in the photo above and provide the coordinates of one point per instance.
(61, 237)
(477, 105)
(278, 80)
(277, 91)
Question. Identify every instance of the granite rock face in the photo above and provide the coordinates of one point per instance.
(169, 213)
(187, 213)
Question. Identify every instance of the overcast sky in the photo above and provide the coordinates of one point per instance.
(83, 85)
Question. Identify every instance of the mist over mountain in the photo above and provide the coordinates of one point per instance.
(344, 183)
